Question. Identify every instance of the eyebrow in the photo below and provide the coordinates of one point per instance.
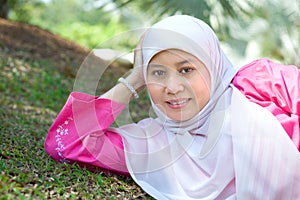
(188, 60)
(155, 65)
(180, 63)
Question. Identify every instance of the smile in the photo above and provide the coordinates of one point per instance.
(178, 103)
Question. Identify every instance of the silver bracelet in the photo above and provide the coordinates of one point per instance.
(132, 90)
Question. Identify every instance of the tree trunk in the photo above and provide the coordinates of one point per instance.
(4, 8)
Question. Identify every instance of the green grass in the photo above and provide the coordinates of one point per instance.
(31, 95)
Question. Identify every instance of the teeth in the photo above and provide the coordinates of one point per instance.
(178, 102)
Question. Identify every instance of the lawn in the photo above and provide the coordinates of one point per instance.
(32, 92)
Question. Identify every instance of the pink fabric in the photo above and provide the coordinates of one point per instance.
(79, 133)
(275, 87)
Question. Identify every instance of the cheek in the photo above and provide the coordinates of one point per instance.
(154, 92)
(201, 90)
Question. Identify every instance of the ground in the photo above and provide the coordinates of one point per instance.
(37, 73)
(41, 44)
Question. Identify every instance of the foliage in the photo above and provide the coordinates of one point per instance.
(20, 10)
(76, 20)
(248, 27)
(271, 33)
(86, 34)
(205, 9)
(282, 18)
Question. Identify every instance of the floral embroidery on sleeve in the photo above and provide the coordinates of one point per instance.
(62, 131)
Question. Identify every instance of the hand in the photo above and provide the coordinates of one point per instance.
(136, 77)
(119, 92)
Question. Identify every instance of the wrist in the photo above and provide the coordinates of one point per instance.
(137, 84)
(129, 86)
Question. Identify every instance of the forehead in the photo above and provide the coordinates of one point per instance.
(174, 57)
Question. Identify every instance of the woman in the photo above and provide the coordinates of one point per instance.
(207, 142)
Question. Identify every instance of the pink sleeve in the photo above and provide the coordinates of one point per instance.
(275, 87)
(79, 134)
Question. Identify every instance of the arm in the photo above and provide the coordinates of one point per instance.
(275, 87)
(80, 132)
(120, 93)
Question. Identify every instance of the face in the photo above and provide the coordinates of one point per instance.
(178, 83)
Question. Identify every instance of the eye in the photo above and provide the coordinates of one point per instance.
(186, 70)
(158, 73)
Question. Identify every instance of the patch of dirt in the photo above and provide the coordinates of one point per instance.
(33, 43)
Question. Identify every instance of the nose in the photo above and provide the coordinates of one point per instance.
(174, 84)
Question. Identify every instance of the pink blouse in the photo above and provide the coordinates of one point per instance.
(275, 87)
(81, 131)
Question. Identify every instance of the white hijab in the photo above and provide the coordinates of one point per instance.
(232, 149)
(197, 38)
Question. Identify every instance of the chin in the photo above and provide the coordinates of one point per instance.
(180, 119)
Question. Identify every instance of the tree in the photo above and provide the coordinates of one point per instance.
(210, 11)
(4, 8)
(272, 31)
(266, 27)
(18, 8)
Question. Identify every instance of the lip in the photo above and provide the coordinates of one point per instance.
(178, 103)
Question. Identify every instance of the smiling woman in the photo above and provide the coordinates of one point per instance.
(178, 83)
(207, 141)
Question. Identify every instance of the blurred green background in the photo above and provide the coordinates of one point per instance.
(248, 28)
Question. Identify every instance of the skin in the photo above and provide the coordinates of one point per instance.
(120, 93)
(178, 83)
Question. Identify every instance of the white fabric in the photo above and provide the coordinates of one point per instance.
(231, 149)
(197, 38)
(266, 161)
